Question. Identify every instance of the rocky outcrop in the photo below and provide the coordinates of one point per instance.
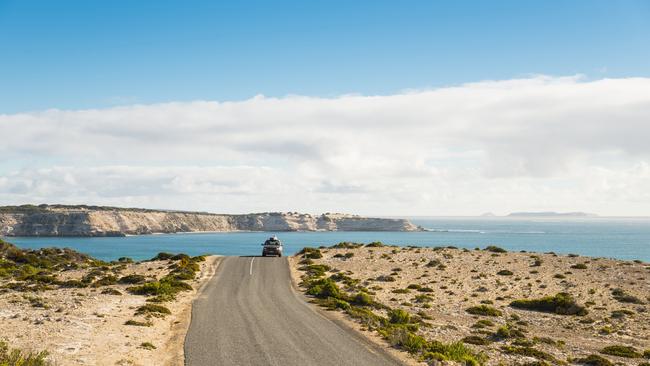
(102, 221)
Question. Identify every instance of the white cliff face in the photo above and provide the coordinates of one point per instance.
(117, 222)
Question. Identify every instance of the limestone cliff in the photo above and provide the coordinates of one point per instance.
(59, 220)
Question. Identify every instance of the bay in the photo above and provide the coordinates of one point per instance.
(622, 238)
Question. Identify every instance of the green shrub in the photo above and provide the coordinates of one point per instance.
(401, 338)
(166, 286)
(456, 351)
(73, 284)
(476, 340)
(346, 245)
(367, 318)
(105, 281)
(562, 303)
(162, 256)
(621, 351)
(316, 270)
(617, 314)
(423, 298)
(579, 266)
(153, 309)
(375, 244)
(385, 278)
(198, 258)
(138, 323)
(594, 360)
(363, 299)
(622, 296)
(508, 331)
(17, 357)
(646, 353)
(398, 316)
(484, 310)
(111, 291)
(483, 323)
(341, 304)
(505, 272)
(323, 288)
(310, 253)
(147, 345)
(401, 291)
(495, 249)
(528, 352)
(434, 263)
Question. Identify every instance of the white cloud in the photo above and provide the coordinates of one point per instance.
(525, 144)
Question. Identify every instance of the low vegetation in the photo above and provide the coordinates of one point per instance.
(621, 351)
(622, 296)
(562, 303)
(153, 309)
(594, 360)
(484, 310)
(398, 327)
(17, 357)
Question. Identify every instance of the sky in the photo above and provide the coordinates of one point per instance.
(368, 107)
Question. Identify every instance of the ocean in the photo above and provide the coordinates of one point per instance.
(622, 238)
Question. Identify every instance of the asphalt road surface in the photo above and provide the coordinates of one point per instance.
(249, 315)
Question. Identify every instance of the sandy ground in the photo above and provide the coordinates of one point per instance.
(460, 279)
(81, 326)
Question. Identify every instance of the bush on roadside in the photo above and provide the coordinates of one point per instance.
(153, 309)
(562, 303)
(622, 296)
(17, 357)
(323, 288)
(132, 279)
(621, 351)
(346, 245)
(484, 310)
(310, 253)
(593, 360)
(137, 323)
(495, 249)
(362, 299)
(399, 316)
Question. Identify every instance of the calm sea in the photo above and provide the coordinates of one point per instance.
(601, 237)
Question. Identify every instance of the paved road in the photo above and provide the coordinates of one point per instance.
(249, 315)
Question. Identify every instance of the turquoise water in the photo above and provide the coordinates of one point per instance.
(615, 238)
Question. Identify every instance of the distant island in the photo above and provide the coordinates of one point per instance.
(551, 214)
(84, 220)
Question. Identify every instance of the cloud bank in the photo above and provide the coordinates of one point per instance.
(539, 143)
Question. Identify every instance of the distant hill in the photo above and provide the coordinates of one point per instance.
(551, 214)
(83, 220)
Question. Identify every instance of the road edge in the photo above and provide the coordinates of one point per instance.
(371, 341)
(183, 327)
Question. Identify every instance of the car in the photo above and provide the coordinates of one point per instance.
(272, 246)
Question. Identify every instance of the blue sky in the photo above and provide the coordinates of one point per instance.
(94, 54)
(369, 107)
